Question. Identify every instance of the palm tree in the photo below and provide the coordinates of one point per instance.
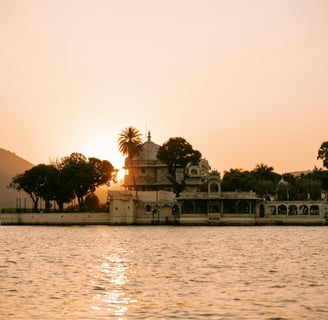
(263, 171)
(129, 144)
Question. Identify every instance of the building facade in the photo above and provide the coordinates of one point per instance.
(150, 174)
(202, 202)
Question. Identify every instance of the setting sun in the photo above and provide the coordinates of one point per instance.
(218, 107)
(243, 82)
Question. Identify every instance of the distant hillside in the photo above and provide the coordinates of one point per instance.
(299, 173)
(11, 165)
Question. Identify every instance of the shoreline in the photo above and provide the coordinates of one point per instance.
(105, 218)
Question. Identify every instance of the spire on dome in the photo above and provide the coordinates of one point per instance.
(149, 136)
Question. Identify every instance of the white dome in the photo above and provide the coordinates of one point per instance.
(148, 150)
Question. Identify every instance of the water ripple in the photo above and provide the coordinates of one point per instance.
(266, 273)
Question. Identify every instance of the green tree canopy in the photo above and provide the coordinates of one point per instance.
(177, 153)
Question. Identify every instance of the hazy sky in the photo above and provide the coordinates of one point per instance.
(244, 81)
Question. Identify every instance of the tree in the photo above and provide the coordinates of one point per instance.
(38, 182)
(64, 191)
(308, 188)
(264, 188)
(83, 176)
(323, 154)
(321, 175)
(76, 173)
(264, 180)
(264, 172)
(177, 153)
(103, 171)
(236, 179)
(92, 203)
(309, 185)
(74, 176)
(129, 144)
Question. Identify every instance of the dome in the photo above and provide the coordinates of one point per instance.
(282, 182)
(148, 150)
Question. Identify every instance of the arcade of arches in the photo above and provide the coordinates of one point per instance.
(243, 206)
(293, 209)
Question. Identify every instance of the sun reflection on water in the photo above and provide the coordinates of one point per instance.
(111, 296)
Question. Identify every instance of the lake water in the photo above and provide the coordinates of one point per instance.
(171, 272)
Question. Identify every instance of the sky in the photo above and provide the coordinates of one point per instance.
(244, 82)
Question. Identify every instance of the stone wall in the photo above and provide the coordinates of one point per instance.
(83, 218)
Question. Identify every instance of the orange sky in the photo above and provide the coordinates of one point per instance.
(245, 82)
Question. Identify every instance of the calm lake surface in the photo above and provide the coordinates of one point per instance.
(134, 272)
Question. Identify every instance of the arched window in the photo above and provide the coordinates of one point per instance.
(314, 210)
(304, 210)
(148, 208)
(282, 209)
(272, 210)
(243, 207)
(194, 172)
(214, 187)
(292, 210)
(188, 207)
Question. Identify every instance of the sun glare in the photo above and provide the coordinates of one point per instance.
(98, 148)
(120, 175)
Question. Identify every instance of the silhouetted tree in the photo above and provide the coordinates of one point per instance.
(236, 179)
(264, 180)
(264, 172)
(83, 176)
(323, 153)
(129, 144)
(177, 153)
(92, 203)
(38, 182)
(264, 188)
(308, 188)
(74, 176)
(310, 185)
(322, 176)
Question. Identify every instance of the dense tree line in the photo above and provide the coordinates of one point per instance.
(73, 177)
(268, 184)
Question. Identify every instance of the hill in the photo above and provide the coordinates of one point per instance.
(11, 165)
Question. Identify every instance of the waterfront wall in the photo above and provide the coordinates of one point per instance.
(82, 218)
(105, 218)
(142, 208)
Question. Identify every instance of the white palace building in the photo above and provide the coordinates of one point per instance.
(202, 202)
